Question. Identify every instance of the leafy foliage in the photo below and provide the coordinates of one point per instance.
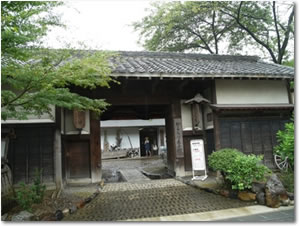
(244, 170)
(34, 78)
(237, 168)
(176, 26)
(221, 160)
(288, 180)
(285, 138)
(26, 195)
(262, 25)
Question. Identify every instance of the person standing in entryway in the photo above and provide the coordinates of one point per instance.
(147, 146)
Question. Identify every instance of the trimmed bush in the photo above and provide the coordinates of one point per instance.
(221, 160)
(237, 168)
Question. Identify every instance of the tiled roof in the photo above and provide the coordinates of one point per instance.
(164, 64)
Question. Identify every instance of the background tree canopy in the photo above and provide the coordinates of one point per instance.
(34, 78)
(219, 27)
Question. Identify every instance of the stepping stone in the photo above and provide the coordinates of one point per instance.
(133, 175)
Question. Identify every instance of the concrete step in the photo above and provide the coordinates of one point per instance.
(133, 175)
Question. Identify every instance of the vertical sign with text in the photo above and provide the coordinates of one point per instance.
(198, 155)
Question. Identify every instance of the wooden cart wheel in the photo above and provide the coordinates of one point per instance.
(282, 164)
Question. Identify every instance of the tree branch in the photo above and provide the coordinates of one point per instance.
(287, 36)
(202, 39)
(214, 33)
(276, 28)
(253, 35)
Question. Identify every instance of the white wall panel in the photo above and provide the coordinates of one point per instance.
(251, 92)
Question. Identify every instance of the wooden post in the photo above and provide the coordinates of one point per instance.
(177, 138)
(58, 150)
(204, 134)
(95, 149)
(58, 159)
(216, 130)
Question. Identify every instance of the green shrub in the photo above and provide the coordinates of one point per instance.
(239, 170)
(38, 188)
(287, 179)
(244, 170)
(285, 138)
(26, 195)
(221, 160)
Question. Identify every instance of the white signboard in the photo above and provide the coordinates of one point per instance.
(198, 156)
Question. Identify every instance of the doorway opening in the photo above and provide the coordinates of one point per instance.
(123, 131)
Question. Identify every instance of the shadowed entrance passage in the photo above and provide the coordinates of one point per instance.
(154, 198)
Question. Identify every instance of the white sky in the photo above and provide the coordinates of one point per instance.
(99, 24)
(104, 25)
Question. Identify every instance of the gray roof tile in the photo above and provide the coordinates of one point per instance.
(197, 65)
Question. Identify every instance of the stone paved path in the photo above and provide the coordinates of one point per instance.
(122, 201)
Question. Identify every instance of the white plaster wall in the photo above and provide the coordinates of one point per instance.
(186, 116)
(44, 118)
(124, 132)
(251, 92)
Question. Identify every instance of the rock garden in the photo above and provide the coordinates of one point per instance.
(246, 178)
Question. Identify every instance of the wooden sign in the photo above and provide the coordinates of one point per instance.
(79, 119)
(178, 136)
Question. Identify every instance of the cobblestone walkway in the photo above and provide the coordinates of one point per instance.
(122, 201)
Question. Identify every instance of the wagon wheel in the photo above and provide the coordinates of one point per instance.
(282, 164)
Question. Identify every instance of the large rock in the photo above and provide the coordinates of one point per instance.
(260, 197)
(291, 195)
(257, 187)
(4, 217)
(275, 186)
(246, 196)
(274, 191)
(272, 200)
(23, 216)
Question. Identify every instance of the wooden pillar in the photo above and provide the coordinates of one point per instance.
(58, 150)
(204, 134)
(216, 130)
(174, 133)
(95, 149)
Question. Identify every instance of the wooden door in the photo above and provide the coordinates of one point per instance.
(78, 160)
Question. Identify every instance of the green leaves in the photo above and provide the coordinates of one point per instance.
(240, 169)
(219, 27)
(285, 138)
(34, 78)
(176, 26)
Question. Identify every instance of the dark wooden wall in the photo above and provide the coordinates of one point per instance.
(251, 135)
(32, 148)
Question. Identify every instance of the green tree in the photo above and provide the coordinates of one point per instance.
(34, 78)
(218, 27)
(262, 24)
(176, 26)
